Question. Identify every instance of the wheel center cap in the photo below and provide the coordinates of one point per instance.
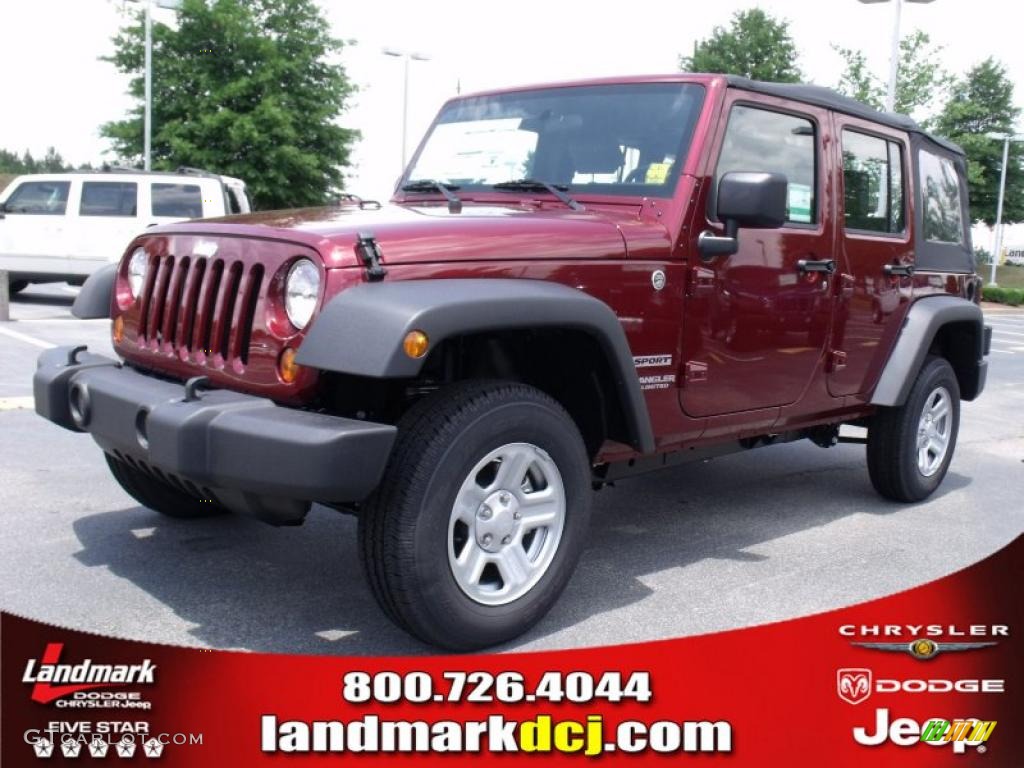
(497, 521)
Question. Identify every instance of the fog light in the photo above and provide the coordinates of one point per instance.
(287, 368)
(415, 344)
(118, 329)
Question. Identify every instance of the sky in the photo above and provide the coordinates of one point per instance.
(56, 92)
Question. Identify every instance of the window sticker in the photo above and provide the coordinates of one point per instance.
(657, 173)
(800, 203)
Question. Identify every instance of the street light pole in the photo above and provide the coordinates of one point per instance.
(407, 56)
(894, 58)
(999, 210)
(894, 51)
(147, 120)
(147, 140)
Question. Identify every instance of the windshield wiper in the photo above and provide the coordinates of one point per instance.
(429, 185)
(535, 185)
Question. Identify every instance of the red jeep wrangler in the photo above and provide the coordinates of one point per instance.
(572, 284)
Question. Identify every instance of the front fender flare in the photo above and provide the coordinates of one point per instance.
(360, 331)
(93, 301)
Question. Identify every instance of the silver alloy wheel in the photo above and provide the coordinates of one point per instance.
(934, 431)
(506, 524)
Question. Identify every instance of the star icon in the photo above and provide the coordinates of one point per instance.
(98, 747)
(71, 748)
(125, 748)
(154, 748)
(43, 748)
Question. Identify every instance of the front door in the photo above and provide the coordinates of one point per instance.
(33, 227)
(757, 322)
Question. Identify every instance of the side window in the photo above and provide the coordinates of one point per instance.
(109, 198)
(182, 201)
(872, 184)
(940, 199)
(773, 142)
(46, 198)
(232, 199)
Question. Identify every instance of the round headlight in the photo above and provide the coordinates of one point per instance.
(137, 271)
(301, 289)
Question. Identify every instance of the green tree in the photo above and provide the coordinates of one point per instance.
(920, 86)
(981, 103)
(51, 162)
(755, 45)
(248, 88)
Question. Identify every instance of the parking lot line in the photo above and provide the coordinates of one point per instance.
(16, 403)
(26, 338)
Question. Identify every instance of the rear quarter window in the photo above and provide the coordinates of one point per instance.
(940, 199)
(181, 201)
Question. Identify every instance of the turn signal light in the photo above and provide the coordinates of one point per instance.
(415, 344)
(287, 368)
(118, 330)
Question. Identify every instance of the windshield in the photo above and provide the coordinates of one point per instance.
(606, 139)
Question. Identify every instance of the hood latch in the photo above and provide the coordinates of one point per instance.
(369, 251)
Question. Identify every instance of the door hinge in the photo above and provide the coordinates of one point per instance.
(369, 251)
(696, 371)
(836, 360)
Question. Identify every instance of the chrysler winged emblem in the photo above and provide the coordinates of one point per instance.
(923, 648)
(853, 685)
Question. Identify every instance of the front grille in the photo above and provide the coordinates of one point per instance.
(199, 309)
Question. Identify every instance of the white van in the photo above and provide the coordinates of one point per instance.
(62, 226)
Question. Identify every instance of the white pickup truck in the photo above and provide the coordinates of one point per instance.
(58, 227)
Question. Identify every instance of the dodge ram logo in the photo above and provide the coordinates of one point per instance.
(853, 685)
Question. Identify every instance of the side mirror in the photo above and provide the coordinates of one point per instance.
(746, 199)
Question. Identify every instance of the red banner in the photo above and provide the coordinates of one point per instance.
(927, 677)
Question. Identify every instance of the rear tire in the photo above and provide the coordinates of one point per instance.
(910, 447)
(481, 517)
(159, 496)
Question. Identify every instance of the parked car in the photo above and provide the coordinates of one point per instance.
(553, 300)
(58, 227)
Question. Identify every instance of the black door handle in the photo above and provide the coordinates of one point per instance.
(902, 270)
(816, 265)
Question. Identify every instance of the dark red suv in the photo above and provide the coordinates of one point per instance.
(572, 284)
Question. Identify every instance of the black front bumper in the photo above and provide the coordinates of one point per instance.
(247, 452)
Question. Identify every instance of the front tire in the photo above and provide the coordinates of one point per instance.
(159, 496)
(910, 447)
(481, 516)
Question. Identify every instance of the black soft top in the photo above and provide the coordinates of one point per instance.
(825, 97)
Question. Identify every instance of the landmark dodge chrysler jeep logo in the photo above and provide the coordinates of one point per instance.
(83, 676)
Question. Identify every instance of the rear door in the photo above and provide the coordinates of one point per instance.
(874, 238)
(756, 322)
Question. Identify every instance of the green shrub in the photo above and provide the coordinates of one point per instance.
(1012, 296)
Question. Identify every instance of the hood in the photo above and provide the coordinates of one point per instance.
(431, 233)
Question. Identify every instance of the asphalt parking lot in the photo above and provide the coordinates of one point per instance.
(742, 540)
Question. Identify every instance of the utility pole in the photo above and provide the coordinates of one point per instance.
(408, 56)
